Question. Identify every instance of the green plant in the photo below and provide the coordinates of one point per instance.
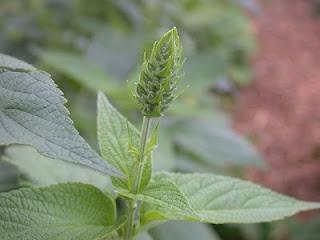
(32, 113)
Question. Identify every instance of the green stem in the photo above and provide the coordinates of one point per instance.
(131, 216)
(132, 210)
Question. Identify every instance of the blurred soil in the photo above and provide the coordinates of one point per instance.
(280, 111)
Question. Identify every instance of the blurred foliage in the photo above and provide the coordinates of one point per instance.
(177, 230)
(309, 230)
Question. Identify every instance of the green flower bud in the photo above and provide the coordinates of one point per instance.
(160, 73)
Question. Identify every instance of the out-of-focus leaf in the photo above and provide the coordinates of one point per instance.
(115, 51)
(43, 171)
(84, 71)
(217, 146)
(252, 5)
(144, 236)
(309, 230)
(193, 107)
(163, 156)
(9, 177)
(201, 71)
(241, 75)
(183, 230)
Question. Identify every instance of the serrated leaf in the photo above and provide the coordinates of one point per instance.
(63, 211)
(42, 171)
(32, 112)
(183, 230)
(162, 194)
(113, 137)
(218, 199)
(117, 139)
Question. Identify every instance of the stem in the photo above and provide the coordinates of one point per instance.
(131, 217)
(137, 181)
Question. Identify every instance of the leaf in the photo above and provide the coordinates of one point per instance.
(116, 51)
(183, 230)
(163, 156)
(153, 140)
(86, 72)
(144, 236)
(218, 199)
(215, 146)
(43, 171)
(309, 230)
(63, 211)
(8, 177)
(32, 112)
(117, 138)
(113, 134)
(162, 194)
(205, 68)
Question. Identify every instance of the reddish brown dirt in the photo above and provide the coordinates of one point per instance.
(281, 109)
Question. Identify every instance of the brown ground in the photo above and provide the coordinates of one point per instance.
(281, 109)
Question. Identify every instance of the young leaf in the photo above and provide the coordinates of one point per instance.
(32, 112)
(153, 140)
(119, 141)
(42, 171)
(63, 211)
(113, 135)
(219, 199)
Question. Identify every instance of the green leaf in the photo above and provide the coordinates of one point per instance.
(219, 199)
(118, 140)
(63, 211)
(43, 171)
(32, 112)
(9, 176)
(165, 196)
(86, 72)
(163, 156)
(183, 230)
(144, 236)
(113, 135)
(153, 140)
(309, 230)
(117, 51)
(206, 68)
(215, 146)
